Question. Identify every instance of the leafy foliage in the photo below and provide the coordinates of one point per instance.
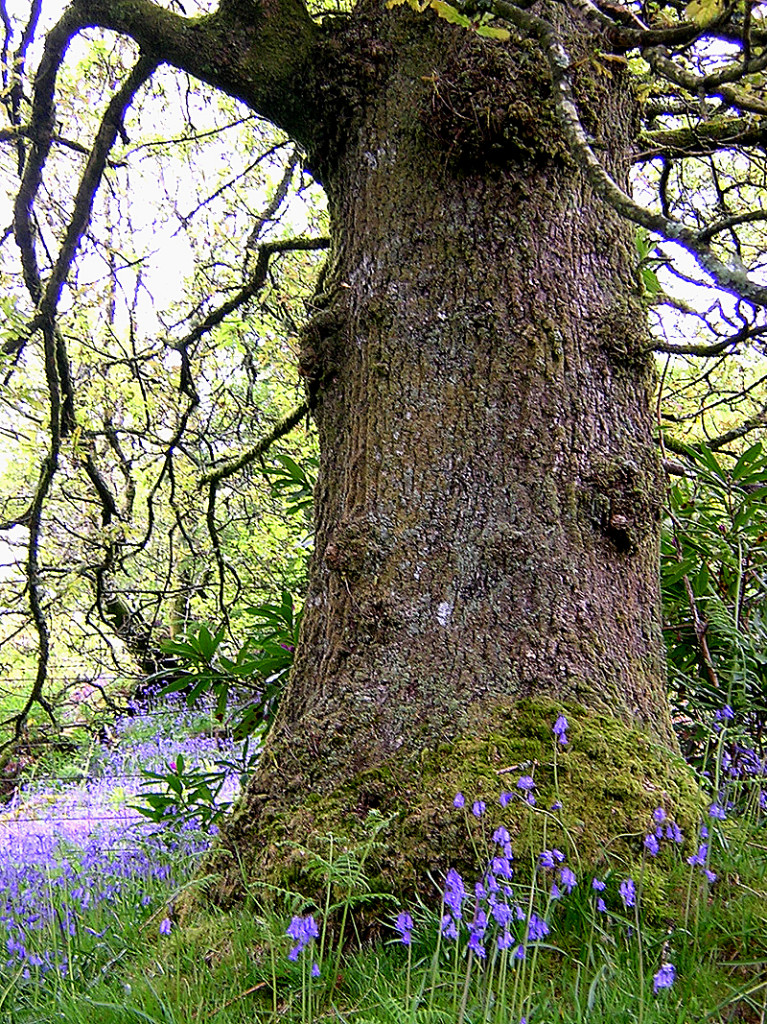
(254, 675)
(714, 578)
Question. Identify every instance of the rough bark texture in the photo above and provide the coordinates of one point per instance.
(488, 503)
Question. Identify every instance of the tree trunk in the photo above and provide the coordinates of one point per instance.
(489, 495)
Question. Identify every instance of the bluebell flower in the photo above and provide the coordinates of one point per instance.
(505, 799)
(449, 927)
(477, 930)
(537, 928)
(315, 970)
(526, 783)
(501, 836)
(165, 926)
(505, 940)
(652, 845)
(302, 930)
(404, 925)
(715, 811)
(699, 859)
(459, 801)
(554, 891)
(627, 892)
(568, 879)
(478, 808)
(674, 833)
(550, 858)
(503, 914)
(502, 867)
(560, 729)
(601, 905)
(492, 883)
(664, 978)
(598, 885)
(726, 714)
(455, 892)
(659, 815)
(710, 875)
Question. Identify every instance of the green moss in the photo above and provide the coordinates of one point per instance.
(609, 779)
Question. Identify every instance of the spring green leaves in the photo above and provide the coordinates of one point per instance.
(445, 10)
(704, 12)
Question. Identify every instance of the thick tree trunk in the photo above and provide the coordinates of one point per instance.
(488, 503)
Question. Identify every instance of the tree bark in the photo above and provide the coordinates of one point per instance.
(488, 502)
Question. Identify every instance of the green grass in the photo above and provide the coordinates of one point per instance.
(234, 969)
(594, 965)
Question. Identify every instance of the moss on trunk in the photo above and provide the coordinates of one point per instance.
(609, 779)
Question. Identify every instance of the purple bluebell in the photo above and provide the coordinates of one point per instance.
(627, 892)
(502, 914)
(459, 801)
(478, 808)
(560, 729)
(303, 930)
(652, 845)
(550, 858)
(699, 859)
(501, 866)
(537, 928)
(715, 811)
(455, 893)
(568, 879)
(477, 930)
(404, 925)
(674, 833)
(664, 978)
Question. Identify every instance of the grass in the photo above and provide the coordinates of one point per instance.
(87, 888)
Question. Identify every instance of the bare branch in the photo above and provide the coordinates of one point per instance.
(215, 476)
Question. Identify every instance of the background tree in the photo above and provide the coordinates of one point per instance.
(476, 362)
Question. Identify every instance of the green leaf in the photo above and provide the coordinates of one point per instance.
(494, 33)
(748, 461)
(703, 12)
(449, 13)
(650, 281)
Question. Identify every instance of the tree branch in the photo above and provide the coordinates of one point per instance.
(256, 52)
(727, 278)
